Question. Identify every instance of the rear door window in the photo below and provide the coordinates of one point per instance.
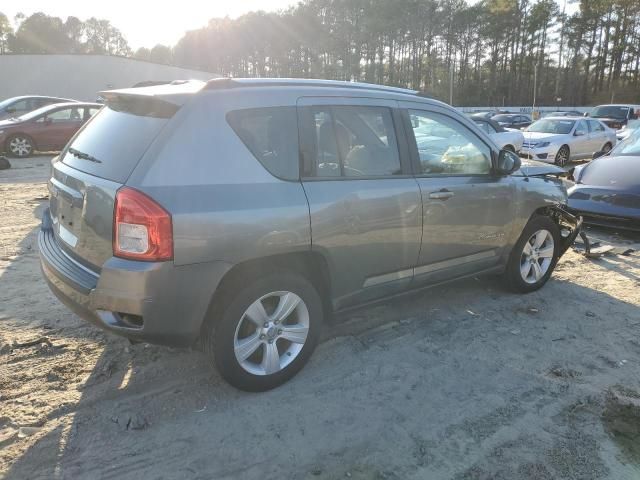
(271, 135)
(65, 115)
(352, 141)
(117, 136)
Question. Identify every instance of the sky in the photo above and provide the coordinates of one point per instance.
(145, 23)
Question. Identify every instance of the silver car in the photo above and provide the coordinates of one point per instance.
(560, 140)
(245, 212)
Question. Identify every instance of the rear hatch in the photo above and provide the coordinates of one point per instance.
(95, 164)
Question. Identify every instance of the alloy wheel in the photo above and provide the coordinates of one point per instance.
(271, 333)
(20, 146)
(562, 157)
(537, 256)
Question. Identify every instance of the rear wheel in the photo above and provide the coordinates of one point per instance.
(607, 147)
(266, 331)
(19, 146)
(534, 255)
(510, 148)
(562, 157)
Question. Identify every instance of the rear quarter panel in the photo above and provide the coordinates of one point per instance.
(225, 205)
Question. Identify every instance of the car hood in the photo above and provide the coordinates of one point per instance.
(531, 168)
(550, 137)
(8, 123)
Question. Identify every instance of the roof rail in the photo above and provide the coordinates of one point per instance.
(226, 83)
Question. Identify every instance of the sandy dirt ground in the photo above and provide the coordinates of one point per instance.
(464, 381)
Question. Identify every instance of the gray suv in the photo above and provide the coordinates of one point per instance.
(244, 212)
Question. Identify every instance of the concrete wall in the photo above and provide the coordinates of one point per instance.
(81, 76)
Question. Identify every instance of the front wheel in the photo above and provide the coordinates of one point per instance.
(562, 157)
(266, 332)
(607, 148)
(534, 255)
(19, 146)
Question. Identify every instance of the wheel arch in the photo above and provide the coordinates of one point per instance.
(312, 265)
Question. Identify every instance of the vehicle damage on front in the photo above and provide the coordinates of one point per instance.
(554, 187)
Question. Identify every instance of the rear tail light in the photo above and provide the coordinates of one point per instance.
(142, 229)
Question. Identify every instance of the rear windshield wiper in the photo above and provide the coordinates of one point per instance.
(83, 156)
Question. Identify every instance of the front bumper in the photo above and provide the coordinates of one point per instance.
(545, 154)
(155, 302)
(569, 223)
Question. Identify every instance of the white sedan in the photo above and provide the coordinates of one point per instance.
(505, 138)
(560, 140)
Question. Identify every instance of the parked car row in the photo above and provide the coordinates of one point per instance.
(47, 127)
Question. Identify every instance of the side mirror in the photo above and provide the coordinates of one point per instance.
(598, 154)
(508, 162)
(578, 133)
(585, 114)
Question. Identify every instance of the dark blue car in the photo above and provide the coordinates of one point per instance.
(607, 190)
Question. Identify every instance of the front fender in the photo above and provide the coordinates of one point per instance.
(544, 196)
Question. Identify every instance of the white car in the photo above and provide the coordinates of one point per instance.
(560, 140)
(505, 138)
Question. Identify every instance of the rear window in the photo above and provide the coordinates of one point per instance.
(115, 139)
(271, 135)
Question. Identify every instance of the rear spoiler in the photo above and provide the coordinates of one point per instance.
(174, 93)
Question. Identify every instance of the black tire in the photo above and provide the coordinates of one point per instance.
(563, 156)
(513, 276)
(510, 148)
(24, 140)
(219, 333)
(607, 147)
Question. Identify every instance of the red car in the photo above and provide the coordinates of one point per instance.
(47, 128)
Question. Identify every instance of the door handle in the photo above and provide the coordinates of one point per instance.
(441, 195)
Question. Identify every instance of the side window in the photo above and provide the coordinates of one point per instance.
(351, 141)
(19, 107)
(581, 128)
(595, 126)
(486, 127)
(446, 147)
(40, 102)
(65, 115)
(91, 112)
(271, 135)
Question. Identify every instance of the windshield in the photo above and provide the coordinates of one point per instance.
(629, 146)
(610, 111)
(7, 102)
(552, 126)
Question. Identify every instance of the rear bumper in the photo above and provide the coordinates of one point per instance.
(146, 301)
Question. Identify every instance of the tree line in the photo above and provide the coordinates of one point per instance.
(40, 33)
(487, 53)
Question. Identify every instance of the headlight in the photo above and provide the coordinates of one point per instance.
(542, 144)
